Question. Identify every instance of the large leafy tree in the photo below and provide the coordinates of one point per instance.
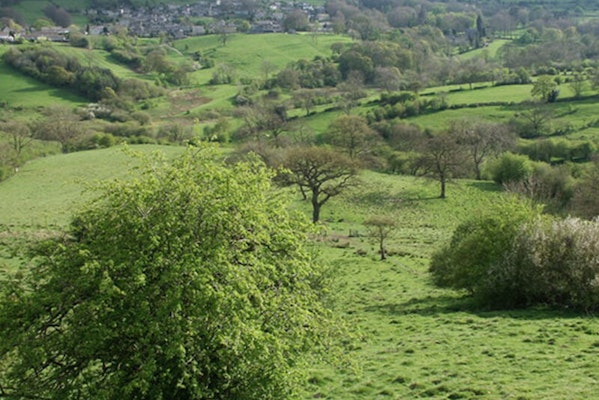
(546, 88)
(191, 281)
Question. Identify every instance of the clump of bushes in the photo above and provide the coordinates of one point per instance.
(554, 263)
(477, 244)
(511, 257)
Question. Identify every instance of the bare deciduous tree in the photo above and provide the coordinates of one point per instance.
(352, 134)
(442, 157)
(380, 228)
(481, 140)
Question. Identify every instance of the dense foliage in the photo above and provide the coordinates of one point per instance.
(59, 70)
(478, 244)
(511, 257)
(192, 281)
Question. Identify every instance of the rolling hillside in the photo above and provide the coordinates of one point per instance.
(412, 340)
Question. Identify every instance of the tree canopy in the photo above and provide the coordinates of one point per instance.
(190, 281)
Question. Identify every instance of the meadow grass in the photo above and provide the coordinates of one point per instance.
(490, 51)
(98, 58)
(31, 10)
(507, 93)
(247, 53)
(417, 341)
(45, 191)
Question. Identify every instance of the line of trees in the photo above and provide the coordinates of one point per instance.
(59, 70)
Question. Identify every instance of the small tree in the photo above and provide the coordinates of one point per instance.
(481, 140)
(510, 168)
(60, 124)
(20, 135)
(578, 84)
(442, 157)
(535, 121)
(380, 228)
(323, 172)
(546, 88)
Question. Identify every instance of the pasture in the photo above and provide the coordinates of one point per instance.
(410, 340)
(247, 53)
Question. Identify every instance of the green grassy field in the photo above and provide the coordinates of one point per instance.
(44, 192)
(31, 10)
(247, 53)
(98, 58)
(489, 51)
(508, 93)
(412, 340)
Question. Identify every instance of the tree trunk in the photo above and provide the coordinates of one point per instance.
(382, 250)
(315, 212)
(478, 172)
(443, 184)
(315, 208)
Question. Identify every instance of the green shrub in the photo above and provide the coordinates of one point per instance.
(509, 167)
(512, 257)
(480, 243)
(554, 263)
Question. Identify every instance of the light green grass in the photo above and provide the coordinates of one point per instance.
(490, 51)
(508, 93)
(45, 191)
(248, 52)
(31, 10)
(441, 120)
(417, 341)
(97, 58)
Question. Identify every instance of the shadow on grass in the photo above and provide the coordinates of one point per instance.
(426, 306)
(486, 186)
(450, 304)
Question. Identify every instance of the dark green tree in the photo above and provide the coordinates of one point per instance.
(192, 281)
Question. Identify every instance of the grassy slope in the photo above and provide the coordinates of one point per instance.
(489, 51)
(247, 52)
(415, 341)
(45, 191)
(98, 58)
(31, 10)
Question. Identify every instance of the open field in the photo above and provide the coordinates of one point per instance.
(98, 58)
(31, 10)
(413, 340)
(489, 51)
(45, 191)
(247, 53)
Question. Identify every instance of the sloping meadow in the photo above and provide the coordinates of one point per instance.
(409, 339)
